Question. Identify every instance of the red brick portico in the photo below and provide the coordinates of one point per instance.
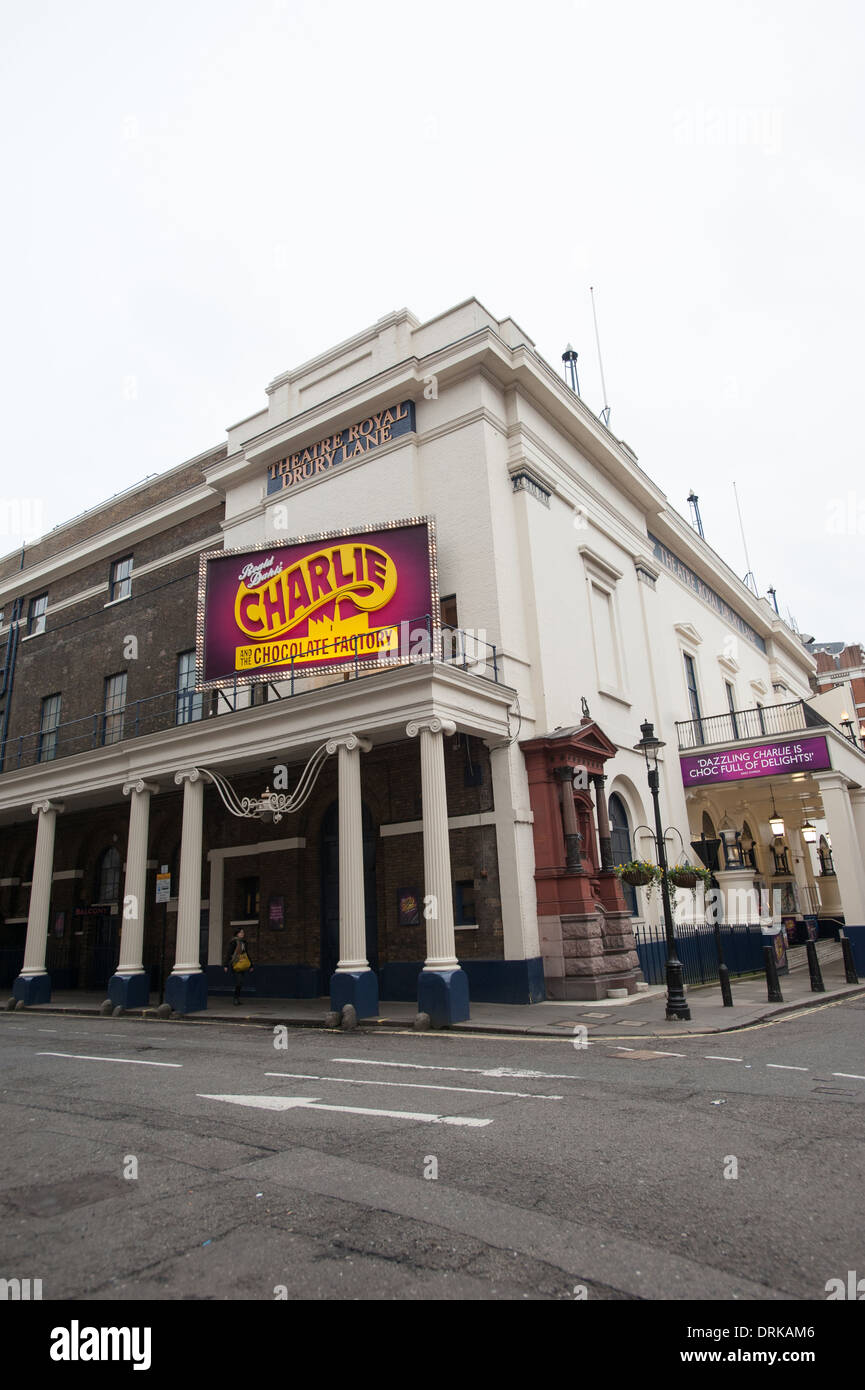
(587, 941)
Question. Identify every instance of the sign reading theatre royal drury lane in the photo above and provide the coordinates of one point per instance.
(339, 598)
(334, 449)
(762, 760)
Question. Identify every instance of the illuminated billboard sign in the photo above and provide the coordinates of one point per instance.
(336, 599)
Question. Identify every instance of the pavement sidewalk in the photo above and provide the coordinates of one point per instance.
(641, 1015)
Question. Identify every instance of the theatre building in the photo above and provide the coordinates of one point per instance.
(366, 679)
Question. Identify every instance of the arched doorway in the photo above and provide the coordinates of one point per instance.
(329, 845)
(620, 844)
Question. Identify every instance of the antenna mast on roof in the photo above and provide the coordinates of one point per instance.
(749, 577)
(605, 413)
(569, 357)
(696, 519)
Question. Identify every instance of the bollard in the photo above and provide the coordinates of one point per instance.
(770, 965)
(850, 974)
(723, 971)
(817, 985)
(726, 992)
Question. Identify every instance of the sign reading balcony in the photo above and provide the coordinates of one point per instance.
(337, 599)
(328, 453)
(761, 760)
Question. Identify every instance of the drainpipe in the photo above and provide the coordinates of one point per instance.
(9, 675)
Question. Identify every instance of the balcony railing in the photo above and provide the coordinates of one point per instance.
(171, 708)
(748, 724)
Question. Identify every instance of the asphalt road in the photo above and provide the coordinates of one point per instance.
(171, 1160)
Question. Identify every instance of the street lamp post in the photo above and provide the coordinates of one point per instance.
(677, 1004)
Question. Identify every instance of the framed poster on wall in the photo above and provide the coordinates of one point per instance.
(408, 907)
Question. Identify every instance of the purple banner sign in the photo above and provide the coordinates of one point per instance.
(761, 760)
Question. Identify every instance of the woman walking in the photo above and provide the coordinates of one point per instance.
(237, 959)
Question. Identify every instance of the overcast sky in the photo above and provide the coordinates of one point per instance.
(201, 194)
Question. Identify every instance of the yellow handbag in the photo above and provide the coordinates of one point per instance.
(241, 962)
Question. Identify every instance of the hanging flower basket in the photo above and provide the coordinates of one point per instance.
(637, 878)
(688, 876)
(639, 873)
(682, 878)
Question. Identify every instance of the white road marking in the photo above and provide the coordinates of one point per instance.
(413, 1085)
(313, 1103)
(851, 1075)
(475, 1071)
(781, 1066)
(707, 1056)
(672, 1054)
(620, 1048)
(47, 1030)
(130, 1061)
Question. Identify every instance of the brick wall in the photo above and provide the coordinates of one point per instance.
(390, 784)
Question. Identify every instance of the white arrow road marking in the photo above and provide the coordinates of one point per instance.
(313, 1103)
(413, 1085)
(130, 1061)
(475, 1071)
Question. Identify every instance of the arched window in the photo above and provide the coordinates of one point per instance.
(108, 876)
(620, 844)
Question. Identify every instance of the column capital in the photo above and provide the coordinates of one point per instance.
(832, 780)
(349, 741)
(139, 785)
(433, 723)
(187, 774)
(47, 805)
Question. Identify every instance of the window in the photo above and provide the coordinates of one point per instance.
(248, 898)
(115, 704)
(731, 705)
(464, 903)
(448, 611)
(36, 615)
(189, 701)
(108, 876)
(620, 846)
(48, 725)
(121, 579)
(693, 694)
(691, 682)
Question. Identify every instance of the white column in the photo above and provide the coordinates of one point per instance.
(848, 847)
(216, 896)
(186, 960)
(40, 890)
(439, 912)
(352, 906)
(135, 887)
(515, 848)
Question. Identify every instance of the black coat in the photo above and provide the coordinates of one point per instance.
(232, 946)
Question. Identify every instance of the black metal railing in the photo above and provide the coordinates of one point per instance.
(416, 643)
(741, 943)
(748, 724)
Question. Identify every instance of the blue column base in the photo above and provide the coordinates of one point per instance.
(357, 987)
(444, 995)
(856, 936)
(32, 989)
(187, 994)
(129, 991)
